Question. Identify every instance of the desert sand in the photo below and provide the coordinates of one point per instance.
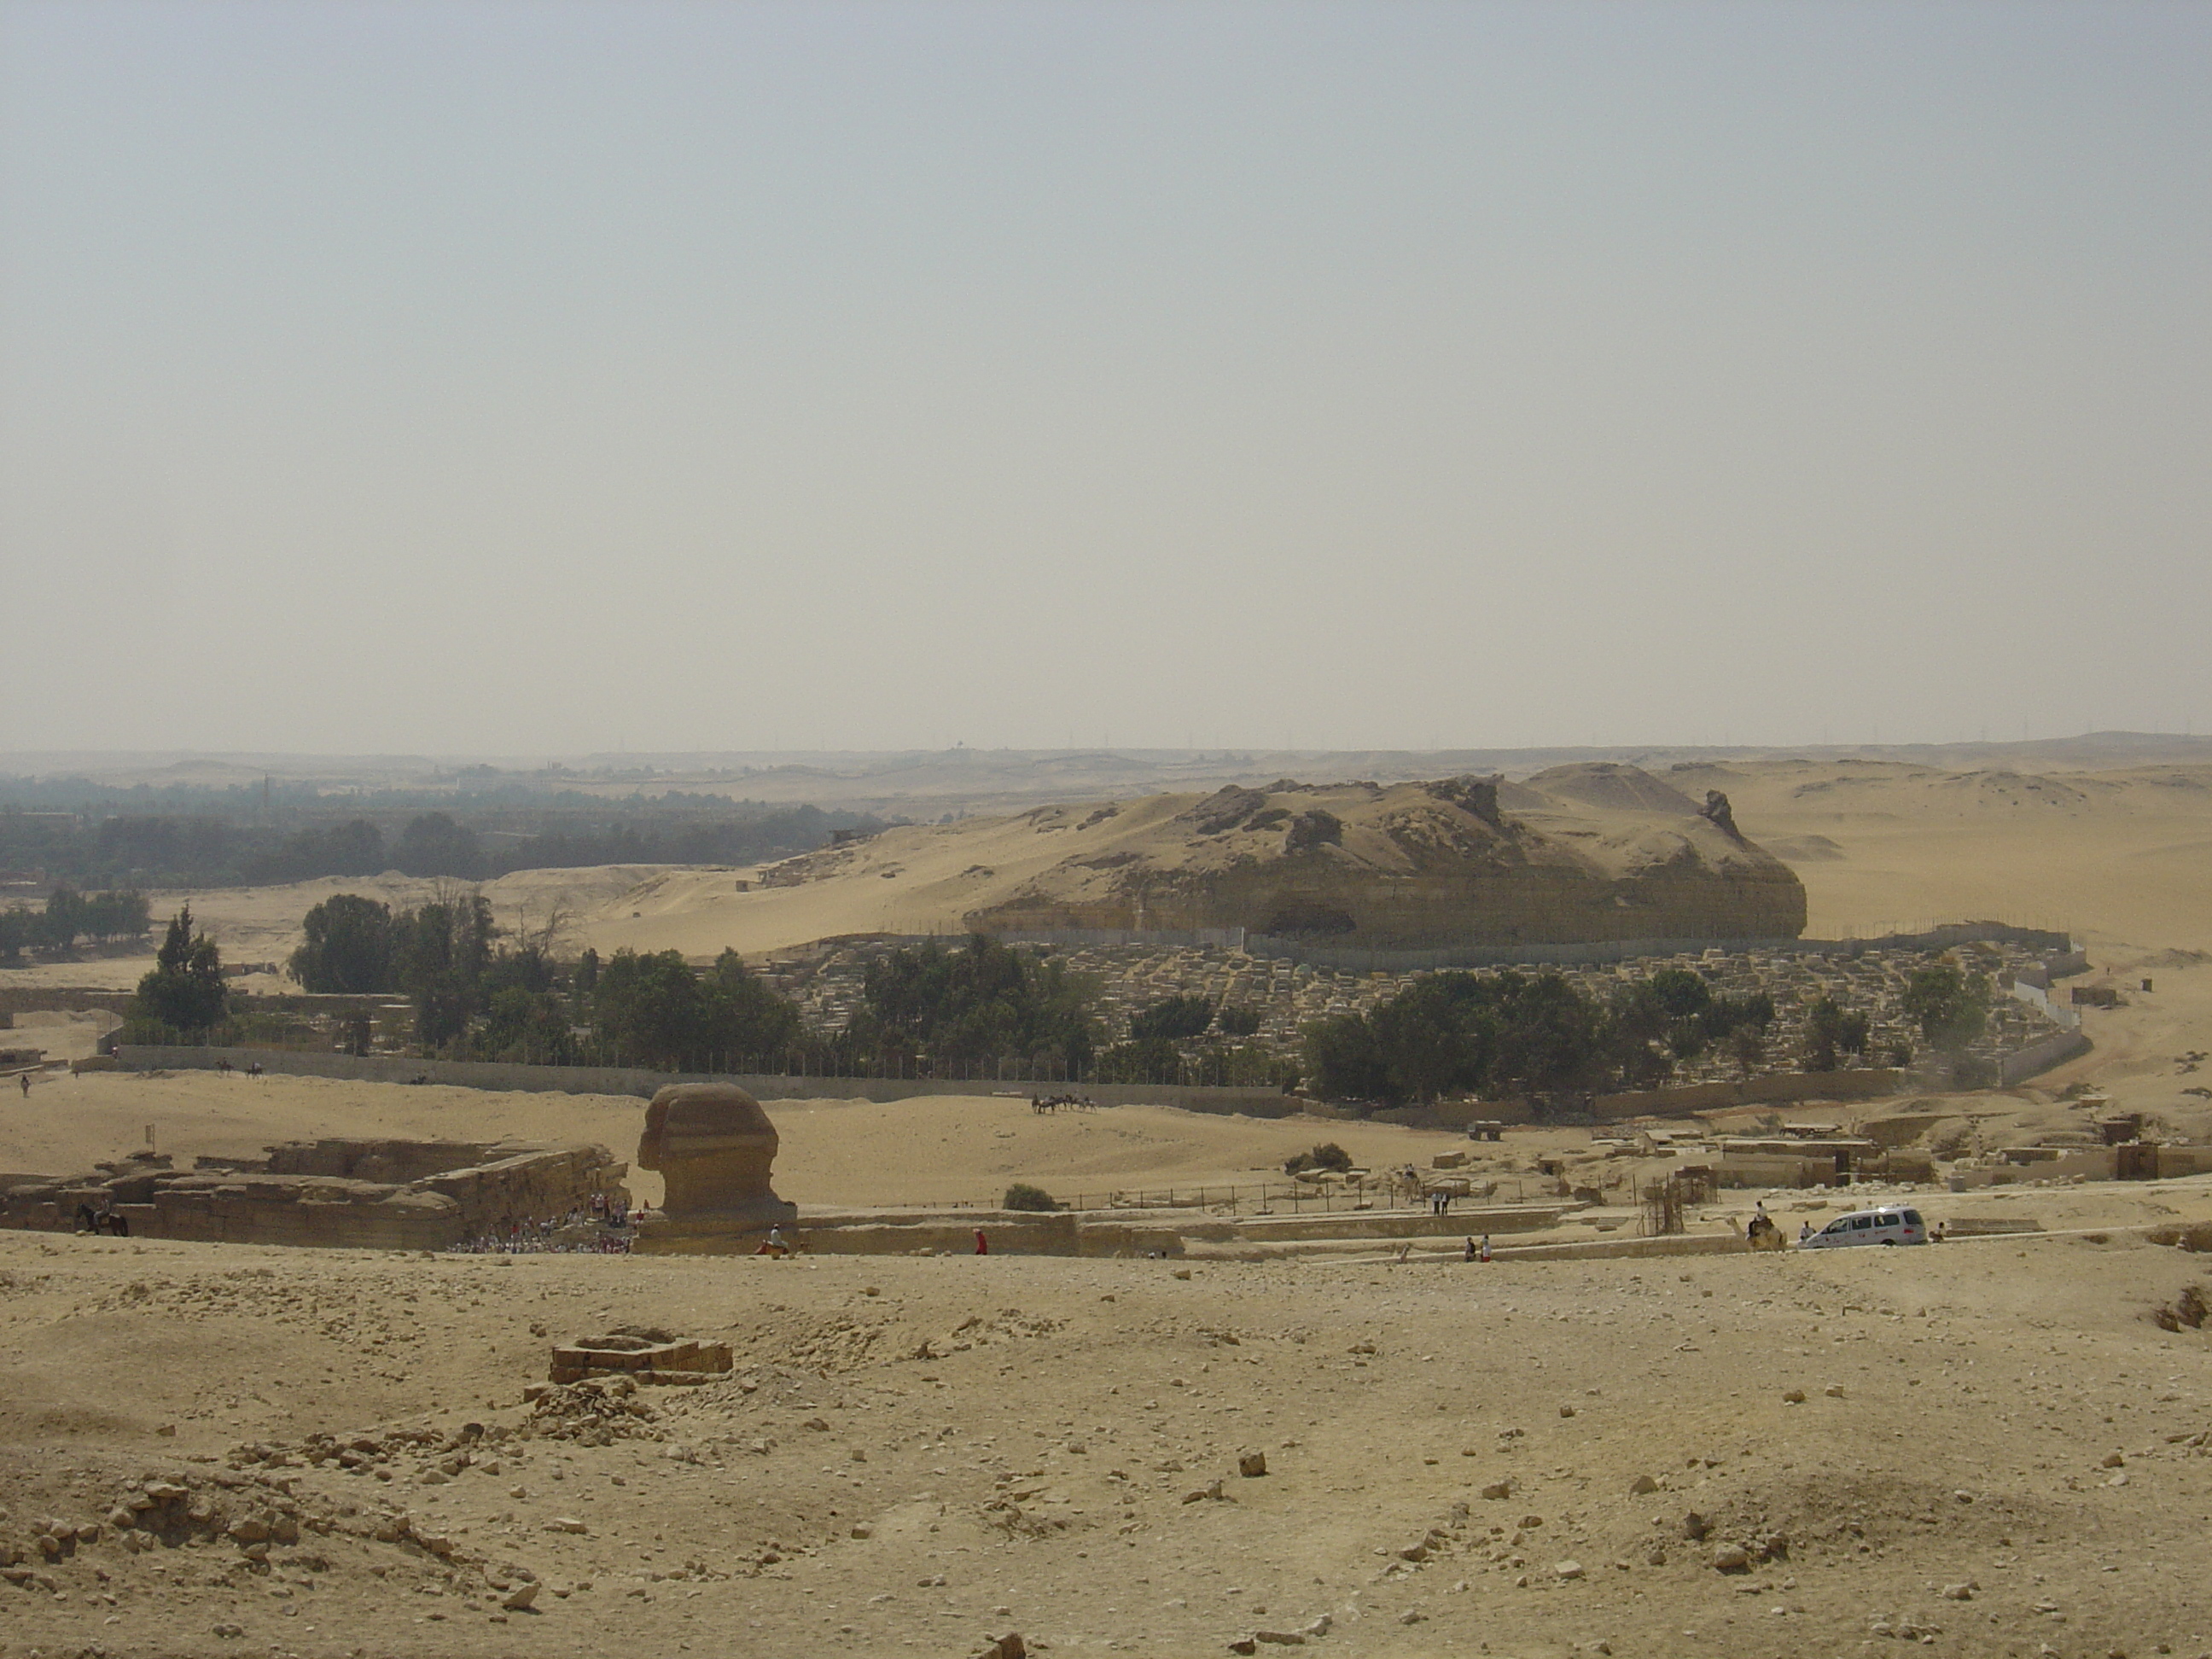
(1984, 1448)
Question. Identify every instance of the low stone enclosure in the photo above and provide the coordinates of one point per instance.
(642, 1353)
(364, 1194)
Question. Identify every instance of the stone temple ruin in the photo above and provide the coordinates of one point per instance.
(364, 1194)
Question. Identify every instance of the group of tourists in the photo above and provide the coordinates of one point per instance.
(604, 1222)
(536, 1243)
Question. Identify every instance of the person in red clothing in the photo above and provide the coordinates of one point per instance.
(982, 1244)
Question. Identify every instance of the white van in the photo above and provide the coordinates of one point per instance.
(1868, 1227)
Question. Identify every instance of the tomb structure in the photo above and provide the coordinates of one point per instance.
(370, 1194)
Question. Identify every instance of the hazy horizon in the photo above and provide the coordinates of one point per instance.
(474, 379)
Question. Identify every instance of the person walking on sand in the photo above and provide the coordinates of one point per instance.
(1484, 1256)
(24, 1078)
(982, 1244)
(1470, 1247)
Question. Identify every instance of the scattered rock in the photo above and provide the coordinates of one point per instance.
(1958, 1592)
(1731, 1557)
(1568, 1570)
(1498, 1491)
(565, 1523)
(1793, 1397)
(1252, 1464)
(1642, 1483)
(519, 1599)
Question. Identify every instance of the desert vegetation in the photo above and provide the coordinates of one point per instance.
(202, 837)
(67, 916)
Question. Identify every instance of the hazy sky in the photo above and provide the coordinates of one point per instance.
(530, 377)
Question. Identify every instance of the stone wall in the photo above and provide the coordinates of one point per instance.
(612, 1081)
(1779, 1088)
(314, 1194)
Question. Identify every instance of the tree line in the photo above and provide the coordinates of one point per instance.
(925, 1009)
(933, 1010)
(181, 850)
(69, 916)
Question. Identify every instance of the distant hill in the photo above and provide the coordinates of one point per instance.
(1581, 853)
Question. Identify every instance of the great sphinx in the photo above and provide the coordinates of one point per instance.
(714, 1147)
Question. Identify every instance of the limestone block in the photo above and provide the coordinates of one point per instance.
(714, 1147)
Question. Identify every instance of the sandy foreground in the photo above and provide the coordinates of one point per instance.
(1995, 1452)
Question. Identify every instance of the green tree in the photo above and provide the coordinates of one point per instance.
(1949, 1009)
(1344, 1060)
(64, 920)
(1824, 1022)
(1723, 1016)
(1023, 1196)
(749, 1016)
(185, 991)
(1172, 1019)
(1237, 1020)
(434, 845)
(1748, 1044)
(442, 951)
(1833, 1030)
(1326, 1155)
(973, 1006)
(1681, 994)
(116, 914)
(1493, 1033)
(350, 948)
(658, 1010)
(522, 1025)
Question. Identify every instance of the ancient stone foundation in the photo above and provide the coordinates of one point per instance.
(364, 1194)
(642, 1353)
